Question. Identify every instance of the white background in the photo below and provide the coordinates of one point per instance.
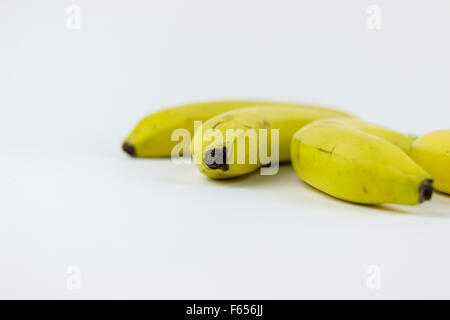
(150, 229)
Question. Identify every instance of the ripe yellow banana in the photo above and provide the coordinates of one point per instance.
(352, 164)
(432, 152)
(402, 141)
(224, 158)
(152, 136)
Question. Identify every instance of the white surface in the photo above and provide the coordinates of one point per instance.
(149, 229)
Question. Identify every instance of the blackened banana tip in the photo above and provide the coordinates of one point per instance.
(129, 148)
(426, 190)
(216, 159)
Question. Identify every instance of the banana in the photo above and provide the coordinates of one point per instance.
(231, 156)
(432, 152)
(402, 141)
(349, 162)
(152, 136)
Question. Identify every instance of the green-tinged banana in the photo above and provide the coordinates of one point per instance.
(152, 136)
(432, 152)
(238, 142)
(349, 163)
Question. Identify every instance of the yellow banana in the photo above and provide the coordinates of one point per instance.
(432, 152)
(152, 136)
(349, 163)
(402, 141)
(224, 158)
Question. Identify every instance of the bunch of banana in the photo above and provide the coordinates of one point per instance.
(152, 136)
(232, 156)
(351, 161)
(286, 119)
(345, 157)
(432, 152)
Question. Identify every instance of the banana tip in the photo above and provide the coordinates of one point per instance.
(129, 148)
(426, 190)
(216, 159)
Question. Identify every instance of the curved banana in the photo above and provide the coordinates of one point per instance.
(152, 136)
(231, 156)
(349, 163)
(432, 152)
(402, 141)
